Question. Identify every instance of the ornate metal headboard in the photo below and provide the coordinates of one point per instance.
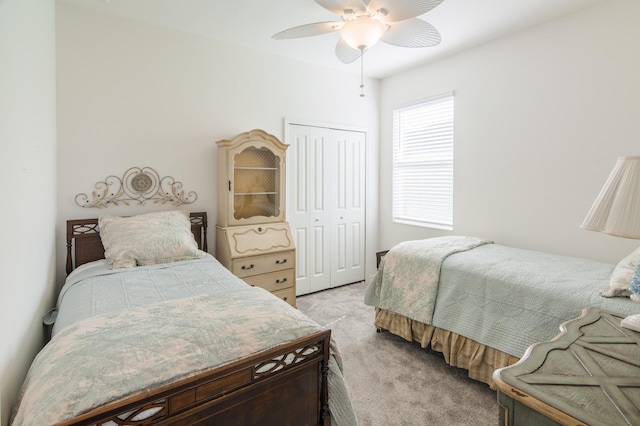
(138, 184)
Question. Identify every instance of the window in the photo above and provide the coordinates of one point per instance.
(423, 163)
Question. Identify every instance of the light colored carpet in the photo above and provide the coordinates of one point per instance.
(393, 381)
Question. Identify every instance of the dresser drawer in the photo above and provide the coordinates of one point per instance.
(288, 295)
(273, 281)
(264, 263)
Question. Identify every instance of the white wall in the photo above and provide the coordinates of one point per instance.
(28, 176)
(131, 94)
(540, 118)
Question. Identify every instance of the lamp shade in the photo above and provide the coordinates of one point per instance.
(616, 211)
(362, 32)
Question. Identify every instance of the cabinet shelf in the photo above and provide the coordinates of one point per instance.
(254, 193)
(270, 169)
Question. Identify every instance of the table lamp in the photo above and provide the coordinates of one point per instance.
(616, 211)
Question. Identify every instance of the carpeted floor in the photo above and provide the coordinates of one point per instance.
(393, 381)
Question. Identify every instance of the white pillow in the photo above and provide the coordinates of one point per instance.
(148, 239)
(622, 274)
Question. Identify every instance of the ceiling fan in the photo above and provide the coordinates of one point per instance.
(365, 22)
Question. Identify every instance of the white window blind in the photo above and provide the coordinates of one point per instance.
(423, 163)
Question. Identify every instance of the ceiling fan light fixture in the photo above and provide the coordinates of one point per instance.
(362, 32)
(365, 22)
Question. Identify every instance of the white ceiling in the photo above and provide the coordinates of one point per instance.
(251, 23)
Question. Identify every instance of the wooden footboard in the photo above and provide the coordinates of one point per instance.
(286, 385)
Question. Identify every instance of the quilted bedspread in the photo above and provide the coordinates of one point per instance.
(503, 297)
(101, 359)
(159, 331)
(408, 276)
(94, 289)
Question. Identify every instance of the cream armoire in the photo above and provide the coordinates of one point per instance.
(326, 205)
(253, 240)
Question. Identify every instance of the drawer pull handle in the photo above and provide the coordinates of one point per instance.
(280, 281)
(245, 267)
(285, 298)
(281, 261)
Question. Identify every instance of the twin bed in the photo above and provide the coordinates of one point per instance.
(483, 304)
(160, 333)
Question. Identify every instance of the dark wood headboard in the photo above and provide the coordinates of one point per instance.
(84, 243)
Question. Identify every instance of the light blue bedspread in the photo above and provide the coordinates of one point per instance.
(120, 332)
(94, 289)
(109, 357)
(408, 276)
(510, 298)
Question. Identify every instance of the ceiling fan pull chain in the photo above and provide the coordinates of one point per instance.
(362, 73)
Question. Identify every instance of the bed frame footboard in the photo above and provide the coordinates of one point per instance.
(286, 385)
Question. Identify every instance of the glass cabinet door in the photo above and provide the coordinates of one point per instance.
(251, 179)
(256, 183)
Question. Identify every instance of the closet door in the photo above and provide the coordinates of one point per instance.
(325, 190)
(348, 214)
(308, 214)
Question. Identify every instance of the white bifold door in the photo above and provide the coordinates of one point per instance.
(326, 205)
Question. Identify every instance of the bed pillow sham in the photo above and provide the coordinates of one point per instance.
(622, 274)
(148, 239)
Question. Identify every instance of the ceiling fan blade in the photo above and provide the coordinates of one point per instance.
(412, 32)
(399, 10)
(340, 7)
(308, 30)
(346, 53)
